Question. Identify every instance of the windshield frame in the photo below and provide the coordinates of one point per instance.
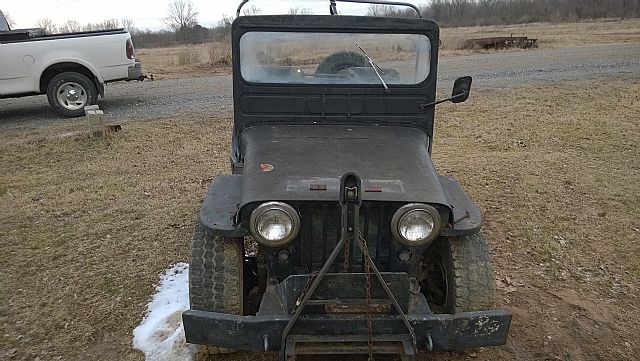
(256, 104)
(430, 67)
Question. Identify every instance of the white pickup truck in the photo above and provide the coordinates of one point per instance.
(72, 69)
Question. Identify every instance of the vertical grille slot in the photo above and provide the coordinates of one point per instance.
(320, 232)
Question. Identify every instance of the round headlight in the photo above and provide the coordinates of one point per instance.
(274, 224)
(416, 224)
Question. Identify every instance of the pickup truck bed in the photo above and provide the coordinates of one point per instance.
(72, 69)
(37, 34)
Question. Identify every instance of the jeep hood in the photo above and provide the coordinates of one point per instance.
(305, 163)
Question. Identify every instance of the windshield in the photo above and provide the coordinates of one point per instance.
(334, 58)
(4, 26)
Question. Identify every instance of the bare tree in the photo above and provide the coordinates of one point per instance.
(458, 10)
(381, 10)
(251, 10)
(71, 26)
(108, 24)
(48, 25)
(391, 11)
(10, 20)
(300, 11)
(488, 6)
(436, 10)
(129, 24)
(222, 31)
(181, 15)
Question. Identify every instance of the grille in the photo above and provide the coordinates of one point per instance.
(320, 232)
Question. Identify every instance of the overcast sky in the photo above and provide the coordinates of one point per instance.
(147, 13)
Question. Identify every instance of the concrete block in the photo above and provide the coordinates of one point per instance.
(95, 119)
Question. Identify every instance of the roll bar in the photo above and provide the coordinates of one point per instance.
(333, 9)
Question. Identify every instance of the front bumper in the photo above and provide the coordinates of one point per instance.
(332, 315)
(443, 332)
(135, 71)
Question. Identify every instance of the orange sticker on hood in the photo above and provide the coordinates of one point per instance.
(266, 167)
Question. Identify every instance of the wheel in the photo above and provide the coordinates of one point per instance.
(459, 275)
(215, 276)
(70, 92)
(341, 60)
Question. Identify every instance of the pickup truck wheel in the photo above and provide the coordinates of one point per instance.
(460, 275)
(215, 276)
(70, 92)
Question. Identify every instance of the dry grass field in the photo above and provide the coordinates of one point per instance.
(549, 35)
(176, 62)
(165, 63)
(87, 225)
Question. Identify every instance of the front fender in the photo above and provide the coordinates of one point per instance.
(466, 218)
(220, 207)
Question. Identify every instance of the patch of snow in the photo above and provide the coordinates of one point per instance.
(160, 335)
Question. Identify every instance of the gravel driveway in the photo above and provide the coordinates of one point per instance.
(165, 98)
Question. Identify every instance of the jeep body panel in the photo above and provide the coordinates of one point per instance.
(220, 207)
(287, 162)
(332, 104)
(299, 163)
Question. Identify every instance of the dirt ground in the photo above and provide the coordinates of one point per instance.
(88, 225)
(192, 96)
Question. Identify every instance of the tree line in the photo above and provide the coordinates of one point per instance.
(497, 12)
(182, 25)
(449, 13)
(72, 26)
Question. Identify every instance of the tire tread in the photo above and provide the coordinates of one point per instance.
(215, 277)
(473, 271)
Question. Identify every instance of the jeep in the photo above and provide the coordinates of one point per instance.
(333, 234)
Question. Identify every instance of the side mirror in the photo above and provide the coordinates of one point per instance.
(461, 89)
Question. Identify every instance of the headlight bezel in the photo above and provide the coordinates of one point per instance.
(269, 206)
(413, 207)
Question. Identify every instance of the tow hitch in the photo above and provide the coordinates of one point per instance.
(369, 343)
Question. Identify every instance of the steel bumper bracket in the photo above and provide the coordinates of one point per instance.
(445, 332)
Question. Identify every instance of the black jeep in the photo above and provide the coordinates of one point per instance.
(334, 234)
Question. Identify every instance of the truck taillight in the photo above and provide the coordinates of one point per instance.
(130, 52)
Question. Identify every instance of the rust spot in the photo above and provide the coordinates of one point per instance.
(266, 167)
(357, 309)
(317, 187)
(466, 215)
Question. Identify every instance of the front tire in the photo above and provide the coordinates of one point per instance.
(215, 276)
(69, 92)
(460, 275)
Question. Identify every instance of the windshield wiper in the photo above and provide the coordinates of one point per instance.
(376, 68)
